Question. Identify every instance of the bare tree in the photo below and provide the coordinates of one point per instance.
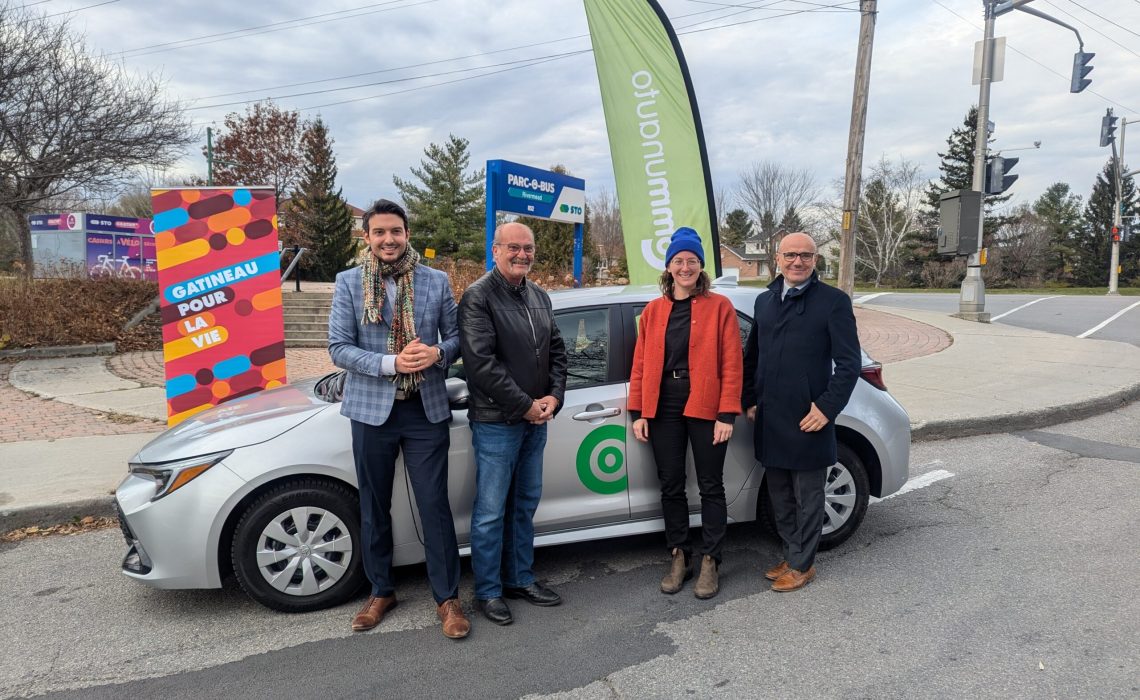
(1022, 246)
(889, 215)
(771, 191)
(605, 226)
(723, 199)
(70, 121)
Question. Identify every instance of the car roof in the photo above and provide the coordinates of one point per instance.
(741, 297)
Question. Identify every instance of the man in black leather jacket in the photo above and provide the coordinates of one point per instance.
(515, 362)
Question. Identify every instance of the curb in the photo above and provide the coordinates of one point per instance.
(59, 351)
(56, 513)
(1028, 420)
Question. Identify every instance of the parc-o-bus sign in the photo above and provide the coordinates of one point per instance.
(520, 189)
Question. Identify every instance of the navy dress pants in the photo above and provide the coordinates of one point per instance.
(425, 445)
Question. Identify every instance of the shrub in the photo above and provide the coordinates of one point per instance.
(46, 312)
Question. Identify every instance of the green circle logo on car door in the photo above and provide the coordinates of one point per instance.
(601, 460)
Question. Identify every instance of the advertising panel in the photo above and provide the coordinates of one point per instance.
(521, 189)
(149, 258)
(101, 255)
(219, 281)
(128, 256)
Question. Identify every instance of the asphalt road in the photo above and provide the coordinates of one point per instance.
(1013, 575)
(1072, 315)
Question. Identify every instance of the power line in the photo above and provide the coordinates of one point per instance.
(401, 80)
(1106, 19)
(460, 58)
(278, 29)
(65, 12)
(261, 26)
(1094, 29)
(1064, 77)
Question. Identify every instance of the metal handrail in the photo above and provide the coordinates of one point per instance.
(298, 251)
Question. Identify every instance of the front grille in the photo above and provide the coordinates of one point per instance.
(127, 534)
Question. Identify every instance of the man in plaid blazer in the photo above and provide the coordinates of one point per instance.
(393, 328)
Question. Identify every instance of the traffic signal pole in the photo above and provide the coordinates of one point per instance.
(972, 298)
(1117, 219)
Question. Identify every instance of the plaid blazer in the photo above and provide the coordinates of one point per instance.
(358, 348)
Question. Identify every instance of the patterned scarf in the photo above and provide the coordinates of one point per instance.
(403, 330)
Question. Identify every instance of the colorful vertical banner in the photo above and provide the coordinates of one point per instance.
(660, 164)
(219, 280)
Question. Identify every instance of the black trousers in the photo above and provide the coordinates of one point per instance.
(797, 507)
(425, 444)
(669, 434)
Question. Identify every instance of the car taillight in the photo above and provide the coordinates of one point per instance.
(873, 373)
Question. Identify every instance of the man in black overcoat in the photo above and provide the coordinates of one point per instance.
(801, 327)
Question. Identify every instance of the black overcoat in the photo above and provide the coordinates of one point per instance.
(789, 357)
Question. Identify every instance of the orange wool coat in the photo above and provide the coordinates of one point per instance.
(716, 358)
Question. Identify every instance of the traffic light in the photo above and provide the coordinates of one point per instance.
(1081, 68)
(1108, 128)
(1115, 234)
(997, 179)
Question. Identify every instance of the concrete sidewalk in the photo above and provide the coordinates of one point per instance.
(990, 378)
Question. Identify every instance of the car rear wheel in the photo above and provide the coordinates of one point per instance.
(846, 492)
(297, 546)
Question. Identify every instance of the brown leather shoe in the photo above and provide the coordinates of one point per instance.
(708, 583)
(793, 580)
(372, 612)
(679, 572)
(455, 623)
(776, 571)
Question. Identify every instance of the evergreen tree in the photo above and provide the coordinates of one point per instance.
(1059, 210)
(319, 218)
(446, 209)
(1094, 243)
(956, 170)
(791, 222)
(737, 227)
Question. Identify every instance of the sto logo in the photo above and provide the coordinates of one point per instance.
(601, 460)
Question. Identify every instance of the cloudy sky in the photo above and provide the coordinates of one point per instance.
(773, 78)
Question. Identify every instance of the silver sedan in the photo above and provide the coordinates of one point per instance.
(264, 487)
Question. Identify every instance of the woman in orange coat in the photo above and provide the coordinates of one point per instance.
(685, 391)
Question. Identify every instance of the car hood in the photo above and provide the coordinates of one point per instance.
(246, 421)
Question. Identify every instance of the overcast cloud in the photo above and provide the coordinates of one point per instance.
(778, 88)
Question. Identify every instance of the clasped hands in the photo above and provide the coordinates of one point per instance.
(416, 357)
(541, 410)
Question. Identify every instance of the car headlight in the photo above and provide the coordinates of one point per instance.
(168, 477)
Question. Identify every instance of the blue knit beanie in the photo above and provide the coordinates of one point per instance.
(684, 239)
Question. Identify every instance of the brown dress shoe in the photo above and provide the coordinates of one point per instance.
(679, 572)
(708, 583)
(372, 612)
(793, 580)
(455, 624)
(776, 571)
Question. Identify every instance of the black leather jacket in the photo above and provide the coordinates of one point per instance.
(512, 350)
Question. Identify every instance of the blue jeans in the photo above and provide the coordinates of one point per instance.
(508, 485)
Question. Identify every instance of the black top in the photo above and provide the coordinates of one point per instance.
(677, 335)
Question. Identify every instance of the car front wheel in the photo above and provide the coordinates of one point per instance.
(846, 492)
(296, 548)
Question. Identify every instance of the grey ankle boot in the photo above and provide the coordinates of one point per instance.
(708, 583)
(679, 572)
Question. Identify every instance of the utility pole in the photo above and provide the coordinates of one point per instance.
(855, 137)
(1117, 204)
(209, 156)
(972, 300)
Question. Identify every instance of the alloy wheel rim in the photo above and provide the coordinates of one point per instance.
(304, 550)
(839, 497)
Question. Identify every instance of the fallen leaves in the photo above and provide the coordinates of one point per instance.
(86, 524)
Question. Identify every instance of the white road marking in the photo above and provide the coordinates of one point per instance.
(918, 482)
(1107, 321)
(869, 297)
(1007, 313)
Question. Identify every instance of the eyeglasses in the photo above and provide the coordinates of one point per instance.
(515, 248)
(804, 257)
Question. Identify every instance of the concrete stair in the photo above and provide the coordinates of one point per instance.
(306, 319)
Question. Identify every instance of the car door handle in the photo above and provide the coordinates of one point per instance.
(591, 415)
